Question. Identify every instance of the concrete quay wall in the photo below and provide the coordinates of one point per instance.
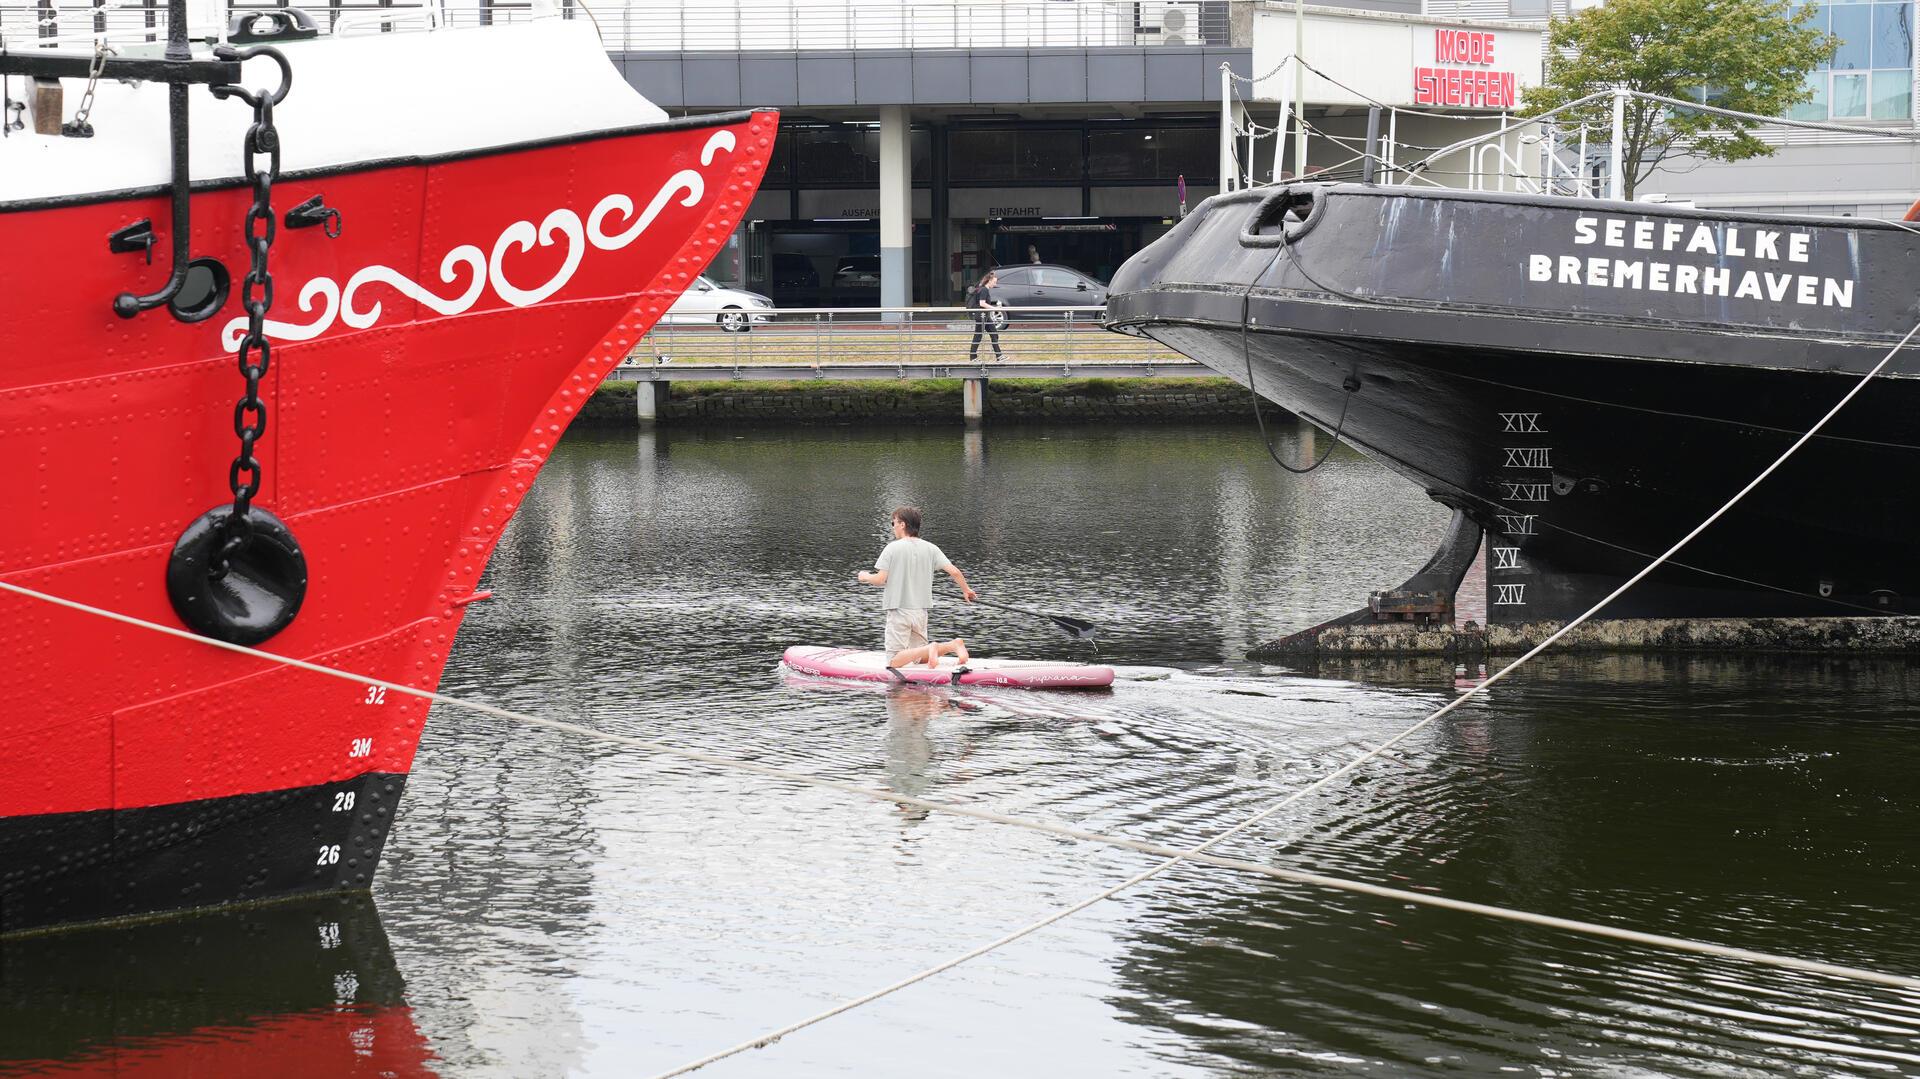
(1826, 636)
(934, 401)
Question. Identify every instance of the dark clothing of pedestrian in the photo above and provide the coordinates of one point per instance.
(983, 322)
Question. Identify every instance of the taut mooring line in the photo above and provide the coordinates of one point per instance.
(1173, 855)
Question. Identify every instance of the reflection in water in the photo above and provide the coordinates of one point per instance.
(306, 987)
(570, 907)
(1755, 802)
(909, 747)
(1676, 795)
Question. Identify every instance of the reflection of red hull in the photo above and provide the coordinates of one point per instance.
(426, 362)
(325, 1043)
(298, 988)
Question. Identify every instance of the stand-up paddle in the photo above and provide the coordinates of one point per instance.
(1077, 628)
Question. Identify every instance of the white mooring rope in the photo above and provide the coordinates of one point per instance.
(1198, 853)
(1172, 855)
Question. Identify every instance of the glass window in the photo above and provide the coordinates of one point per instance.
(841, 156)
(1893, 94)
(981, 155)
(1819, 22)
(1016, 154)
(1853, 25)
(1051, 155)
(780, 162)
(1192, 152)
(1014, 276)
(1051, 278)
(920, 154)
(1849, 97)
(1815, 107)
(1892, 36)
(837, 156)
(1159, 153)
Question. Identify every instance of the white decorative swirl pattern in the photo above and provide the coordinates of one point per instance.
(686, 179)
(481, 269)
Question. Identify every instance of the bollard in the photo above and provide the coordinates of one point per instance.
(973, 400)
(650, 399)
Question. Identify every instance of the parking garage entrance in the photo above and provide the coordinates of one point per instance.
(1095, 247)
(826, 263)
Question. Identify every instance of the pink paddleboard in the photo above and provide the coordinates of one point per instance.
(872, 667)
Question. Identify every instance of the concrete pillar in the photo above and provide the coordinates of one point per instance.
(973, 400)
(896, 209)
(650, 399)
(939, 229)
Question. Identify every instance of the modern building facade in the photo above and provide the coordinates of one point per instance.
(1868, 83)
(924, 142)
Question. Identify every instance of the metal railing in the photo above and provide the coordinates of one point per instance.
(808, 338)
(792, 25)
(1558, 152)
(69, 26)
(706, 25)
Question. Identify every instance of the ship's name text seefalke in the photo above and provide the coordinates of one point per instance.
(1720, 242)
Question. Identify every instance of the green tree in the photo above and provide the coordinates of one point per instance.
(1747, 55)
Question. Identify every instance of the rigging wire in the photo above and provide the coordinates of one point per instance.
(1351, 385)
(1382, 301)
(1198, 853)
(1271, 72)
(1172, 855)
(1281, 873)
(1060, 830)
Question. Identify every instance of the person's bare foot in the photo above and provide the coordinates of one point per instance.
(960, 653)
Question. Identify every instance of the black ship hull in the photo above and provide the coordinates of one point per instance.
(99, 865)
(1585, 425)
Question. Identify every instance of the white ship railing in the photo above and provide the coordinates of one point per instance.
(1556, 152)
(1542, 160)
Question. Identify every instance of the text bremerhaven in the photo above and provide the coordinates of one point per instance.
(1722, 242)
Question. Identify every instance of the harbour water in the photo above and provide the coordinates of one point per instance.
(553, 905)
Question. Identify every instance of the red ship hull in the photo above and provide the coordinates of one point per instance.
(424, 363)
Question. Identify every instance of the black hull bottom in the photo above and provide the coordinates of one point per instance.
(1584, 469)
(62, 868)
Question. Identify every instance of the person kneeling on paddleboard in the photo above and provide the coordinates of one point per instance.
(905, 569)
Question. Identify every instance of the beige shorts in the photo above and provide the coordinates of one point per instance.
(906, 628)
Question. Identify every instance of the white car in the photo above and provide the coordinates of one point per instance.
(704, 301)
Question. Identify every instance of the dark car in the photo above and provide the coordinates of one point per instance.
(1045, 285)
(793, 270)
(857, 273)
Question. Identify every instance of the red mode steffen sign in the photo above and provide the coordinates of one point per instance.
(1464, 72)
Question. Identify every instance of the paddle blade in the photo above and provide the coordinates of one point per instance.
(1078, 629)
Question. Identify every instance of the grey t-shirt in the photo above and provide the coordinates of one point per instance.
(910, 565)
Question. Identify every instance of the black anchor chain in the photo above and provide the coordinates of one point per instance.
(237, 572)
(261, 153)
